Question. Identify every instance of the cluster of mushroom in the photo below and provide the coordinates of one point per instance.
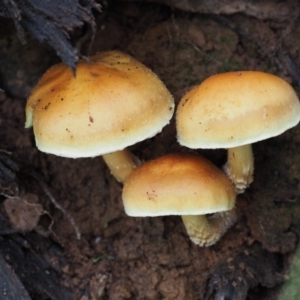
(114, 101)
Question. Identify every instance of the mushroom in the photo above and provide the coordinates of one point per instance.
(113, 102)
(186, 185)
(233, 110)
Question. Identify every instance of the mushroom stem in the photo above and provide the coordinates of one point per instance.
(240, 166)
(121, 163)
(206, 231)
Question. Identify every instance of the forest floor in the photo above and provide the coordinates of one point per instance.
(120, 257)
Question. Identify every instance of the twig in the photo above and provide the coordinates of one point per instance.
(9, 190)
(55, 203)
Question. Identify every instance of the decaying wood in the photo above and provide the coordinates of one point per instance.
(236, 274)
(10, 285)
(51, 21)
(8, 167)
(37, 276)
(273, 10)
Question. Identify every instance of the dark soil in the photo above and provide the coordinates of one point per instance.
(52, 198)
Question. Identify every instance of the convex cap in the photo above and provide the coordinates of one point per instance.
(177, 184)
(236, 108)
(114, 101)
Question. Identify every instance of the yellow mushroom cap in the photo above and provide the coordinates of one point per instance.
(177, 184)
(236, 108)
(113, 102)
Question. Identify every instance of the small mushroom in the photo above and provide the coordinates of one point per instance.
(113, 102)
(186, 185)
(233, 110)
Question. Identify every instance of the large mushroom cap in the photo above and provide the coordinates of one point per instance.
(236, 108)
(113, 102)
(177, 184)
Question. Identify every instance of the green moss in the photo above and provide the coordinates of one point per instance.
(231, 64)
(290, 289)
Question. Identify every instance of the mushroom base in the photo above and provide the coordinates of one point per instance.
(240, 167)
(206, 231)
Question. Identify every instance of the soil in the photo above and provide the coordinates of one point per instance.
(52, 198)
